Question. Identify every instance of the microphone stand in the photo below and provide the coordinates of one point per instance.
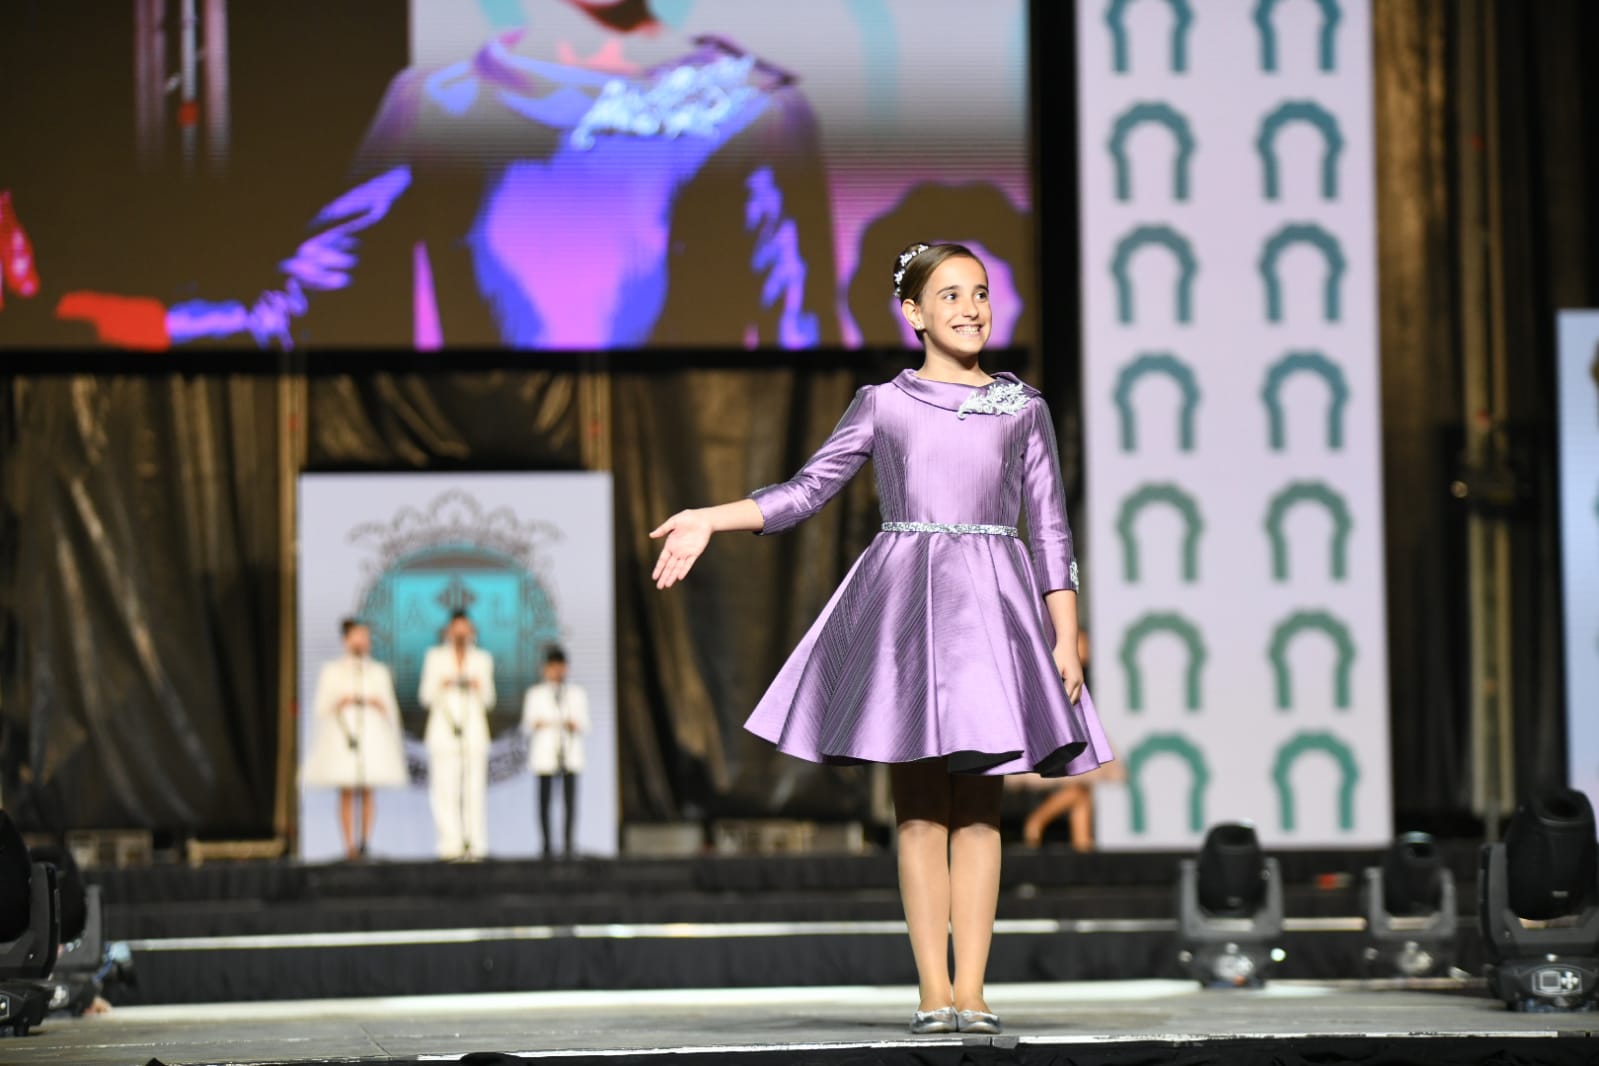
(459, 721)
(361, 798)
(563, 725)
(352, 741)
(560, 727)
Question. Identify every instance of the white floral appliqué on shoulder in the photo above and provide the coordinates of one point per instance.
(999, 398)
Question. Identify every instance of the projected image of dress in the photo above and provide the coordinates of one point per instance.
(543, 175)
(538, 200)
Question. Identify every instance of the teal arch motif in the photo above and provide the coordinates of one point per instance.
(1193, 525)
(1172, 367)
(1290, 753)
(1182, 20)
(1168, 744)
(1330, 16)
(1165, 237)
(1179, 627)
(1318, 238)
(1300, 622)
(408, 604)
(1337, 509)
(1332, 140)
(1159, 114)
(1310, 363)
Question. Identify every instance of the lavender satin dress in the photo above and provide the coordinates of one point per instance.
(938, 641)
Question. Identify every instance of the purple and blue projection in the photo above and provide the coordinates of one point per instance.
(546, 175)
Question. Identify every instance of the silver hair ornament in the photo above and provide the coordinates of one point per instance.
(904, 261)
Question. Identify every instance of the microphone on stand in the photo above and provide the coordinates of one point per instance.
(560, 725)
(361, 798)
(360, 702)
(459, 722)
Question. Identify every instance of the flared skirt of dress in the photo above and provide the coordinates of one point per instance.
(379, 762)
(935, 645)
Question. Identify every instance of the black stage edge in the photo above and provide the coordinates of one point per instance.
(1355, 1051)
(286, 931)
(708, 958)
(1335, 1051)
(286, 881)
(1314, 1051)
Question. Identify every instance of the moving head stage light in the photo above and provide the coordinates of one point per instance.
(30, 932)
(1229, 910)
(1539, 906)
(75, 981)
(1412, 916)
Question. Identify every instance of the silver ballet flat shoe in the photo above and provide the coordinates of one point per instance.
(942, 1020)
(979, 1022)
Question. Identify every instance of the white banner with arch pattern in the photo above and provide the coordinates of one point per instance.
(1234, 585)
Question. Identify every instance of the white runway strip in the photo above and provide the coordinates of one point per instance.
(683, 931)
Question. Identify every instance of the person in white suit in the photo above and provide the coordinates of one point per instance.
(555, 713)
(458, 692)
(356, 744)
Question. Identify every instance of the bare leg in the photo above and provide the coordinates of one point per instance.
(922, 808)
(368, 813)
(1082, 819)
(347, 820)
(1054, 805)
(974, 881)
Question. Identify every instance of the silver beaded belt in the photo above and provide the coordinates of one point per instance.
(949, 527)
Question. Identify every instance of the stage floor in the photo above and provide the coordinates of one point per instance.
(799, 1024)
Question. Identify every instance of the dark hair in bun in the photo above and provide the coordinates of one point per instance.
(915, 265)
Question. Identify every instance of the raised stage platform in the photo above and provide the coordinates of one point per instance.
(1121, 1023)
(251, 932)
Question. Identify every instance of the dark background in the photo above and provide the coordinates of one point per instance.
(140, 514)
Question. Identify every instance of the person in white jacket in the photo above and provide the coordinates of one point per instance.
(458, 692)
(356, 743)
(555, 713)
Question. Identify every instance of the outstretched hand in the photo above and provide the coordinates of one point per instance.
(687, 534)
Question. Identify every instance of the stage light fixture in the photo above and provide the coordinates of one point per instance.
(1538, 903)
(1229, 910)
(75, 981)
(69, 882)
(30, 926)
(1411, 910)
(16, 874)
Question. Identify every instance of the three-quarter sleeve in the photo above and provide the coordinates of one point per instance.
(1044, 494)
(786, 505)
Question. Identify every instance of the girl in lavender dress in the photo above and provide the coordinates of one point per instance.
(950, 650)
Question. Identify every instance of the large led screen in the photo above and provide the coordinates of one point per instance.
(532, 174)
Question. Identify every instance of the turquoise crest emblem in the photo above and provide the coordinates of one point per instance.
(456, 555)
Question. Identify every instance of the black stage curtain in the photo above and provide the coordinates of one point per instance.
(508, 419)
(1545, 166)
(140, 674)
(695, 659)
(1540, 167)
(1418, 312)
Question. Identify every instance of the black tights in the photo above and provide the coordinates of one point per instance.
(568, 807)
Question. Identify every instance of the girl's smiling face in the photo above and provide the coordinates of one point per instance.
(953, 309)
